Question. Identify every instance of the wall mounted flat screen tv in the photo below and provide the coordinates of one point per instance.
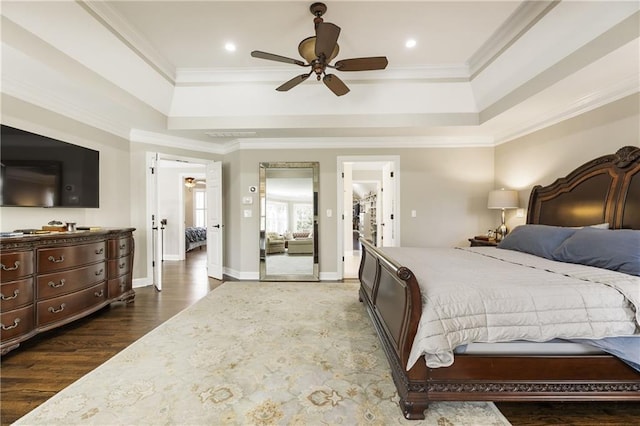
(37, 171)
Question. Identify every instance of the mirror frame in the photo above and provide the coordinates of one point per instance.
(264, 166)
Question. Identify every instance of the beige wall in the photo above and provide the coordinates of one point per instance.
(114, 178)
(447, 187)
(541, 157)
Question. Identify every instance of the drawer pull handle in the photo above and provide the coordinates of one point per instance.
(15, 266)
(122, 265)
(14, 325)
(99, 293)
(54, 260)
(99, 272)
(54, 310)
(54, 285)
(15, 294)
(100, 251)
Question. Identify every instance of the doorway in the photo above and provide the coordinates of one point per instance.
(368, 197)
(166, 187)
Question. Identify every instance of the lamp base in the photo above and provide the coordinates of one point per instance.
(501, 232)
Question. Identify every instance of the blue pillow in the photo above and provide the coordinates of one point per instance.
(617, 250)
(539, 240)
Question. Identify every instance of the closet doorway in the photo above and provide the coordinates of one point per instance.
(368, 197)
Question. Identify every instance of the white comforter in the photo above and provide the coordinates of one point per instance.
(484, 294)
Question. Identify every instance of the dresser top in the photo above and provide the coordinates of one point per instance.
(73, 237)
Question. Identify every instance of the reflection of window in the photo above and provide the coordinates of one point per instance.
(277, 217)
(200, 208)
(302, 217)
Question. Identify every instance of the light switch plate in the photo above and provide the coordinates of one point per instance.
(247, 200)
(247, 213)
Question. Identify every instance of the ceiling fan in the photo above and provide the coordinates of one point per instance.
(319, 51)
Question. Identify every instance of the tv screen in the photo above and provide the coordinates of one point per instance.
(37, 171)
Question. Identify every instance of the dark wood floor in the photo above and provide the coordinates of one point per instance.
(43, 366)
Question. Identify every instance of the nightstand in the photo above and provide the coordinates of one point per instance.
(482, 243)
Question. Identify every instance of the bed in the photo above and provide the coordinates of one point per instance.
(604, 190)
(194, 237)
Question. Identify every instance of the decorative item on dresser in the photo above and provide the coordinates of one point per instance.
(48, 280)
(403, 295)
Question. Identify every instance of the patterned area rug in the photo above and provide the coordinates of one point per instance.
(253, 354)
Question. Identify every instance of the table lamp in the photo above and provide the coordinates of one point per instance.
(502, 199)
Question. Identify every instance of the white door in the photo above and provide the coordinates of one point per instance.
(214, 219)
(154, 220)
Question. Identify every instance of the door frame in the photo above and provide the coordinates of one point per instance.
(153, 189)
(394, 160)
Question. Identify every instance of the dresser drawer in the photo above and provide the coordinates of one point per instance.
(63, 307)
(16, 323)
(59, 283)
(120, 247)
(119, 285)
(119, 266)
(15, 294)
(15, 264)
(55, 259)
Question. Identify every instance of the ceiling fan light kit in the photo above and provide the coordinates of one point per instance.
(319, 51)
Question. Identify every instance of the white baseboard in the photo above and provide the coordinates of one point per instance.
(239, 275)
(142, 282)
(173, 257)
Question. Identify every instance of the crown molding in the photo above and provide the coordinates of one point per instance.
(161, 139)
(46, 99)
(209, 76)
(521, 21)
(360, 143)
(620, 89)
(138, 44)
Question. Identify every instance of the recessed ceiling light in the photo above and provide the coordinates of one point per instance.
(410, 43)
(230, 47)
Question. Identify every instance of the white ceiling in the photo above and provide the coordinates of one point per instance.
(193, 34)
(157, 71)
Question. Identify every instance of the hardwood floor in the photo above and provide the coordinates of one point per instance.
(43, 366)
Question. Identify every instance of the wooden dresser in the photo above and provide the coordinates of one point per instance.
(49, 280)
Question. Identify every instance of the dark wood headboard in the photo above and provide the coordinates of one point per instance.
(606, 189)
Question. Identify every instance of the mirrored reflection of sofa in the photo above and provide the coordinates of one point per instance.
(274, 243)
(300, 246)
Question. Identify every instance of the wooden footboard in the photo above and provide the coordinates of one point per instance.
(392, 297)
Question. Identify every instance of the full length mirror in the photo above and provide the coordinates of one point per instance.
(289, 221)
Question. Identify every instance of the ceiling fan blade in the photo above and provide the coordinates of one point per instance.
(326, 38)
(362, 64)
(278, 58)
(293, 82)
(335, 85)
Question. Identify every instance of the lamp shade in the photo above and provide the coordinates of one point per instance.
(503, 199)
